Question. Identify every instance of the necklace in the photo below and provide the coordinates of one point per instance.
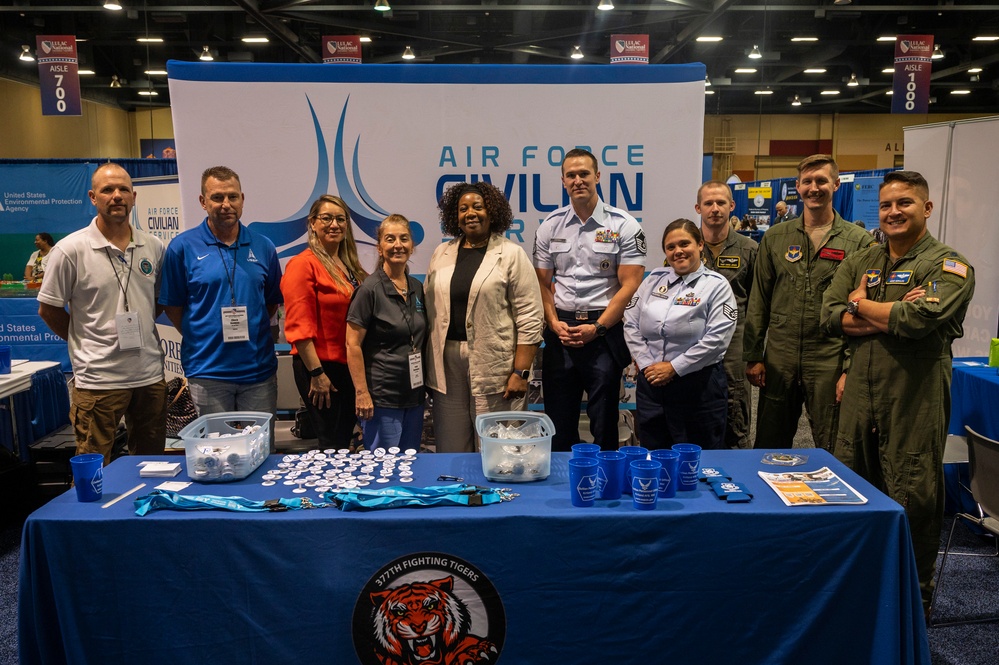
(475, 245)
(403, 291)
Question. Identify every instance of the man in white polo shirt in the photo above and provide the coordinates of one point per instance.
(108, 273)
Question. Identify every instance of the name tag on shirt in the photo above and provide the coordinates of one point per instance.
(728, 262)
(899, 277)
(129, 331)
(415, 370)
(558, 245)
(235, 324)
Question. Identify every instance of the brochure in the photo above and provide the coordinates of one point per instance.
(812, 488)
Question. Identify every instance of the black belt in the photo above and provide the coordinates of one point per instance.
(579, 314)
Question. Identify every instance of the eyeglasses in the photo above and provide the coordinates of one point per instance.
(329, 219)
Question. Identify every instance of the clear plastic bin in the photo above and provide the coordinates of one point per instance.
(214, 458)
(515, 460)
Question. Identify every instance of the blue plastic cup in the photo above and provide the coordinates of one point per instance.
(4, 359)
(610, 473)
(88, 476)
(690, 462)
(670, 459)
(585, 450)
(645, 484)
(583, 481)
(633, 453)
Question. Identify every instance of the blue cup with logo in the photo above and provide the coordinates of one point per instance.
(645, 484)
(583, 481)
(610, 473)
(88, 476)
(690, 463)
(632, 453)
(4, 359)
(585, 450)
(670, 459)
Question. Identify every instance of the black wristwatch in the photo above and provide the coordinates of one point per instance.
(601, 328)
(853, 307)
(523, 373)
(316, 372)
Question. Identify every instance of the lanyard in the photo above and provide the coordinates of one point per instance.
(128, 278)
(404, 305)
(225, 268)
(161, 500)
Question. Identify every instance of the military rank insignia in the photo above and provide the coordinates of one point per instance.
(873, 277)
(793, 253)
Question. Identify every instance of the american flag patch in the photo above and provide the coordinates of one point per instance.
(955, 267)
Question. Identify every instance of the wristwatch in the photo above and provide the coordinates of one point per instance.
(523, 373)
(316, 372)
(853, 307)
(601, 328)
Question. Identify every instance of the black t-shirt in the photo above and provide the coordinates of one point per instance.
(394, 328)
(465, 267)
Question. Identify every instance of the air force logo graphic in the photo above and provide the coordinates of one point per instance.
(428, 608)
(793, 253)
(873, 277)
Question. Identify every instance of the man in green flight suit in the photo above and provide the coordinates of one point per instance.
(795, 265)
(901, 305)
(732, 254)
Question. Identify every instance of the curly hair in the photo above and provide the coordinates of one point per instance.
(497, 207)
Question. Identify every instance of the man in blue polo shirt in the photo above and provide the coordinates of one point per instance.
(221, 286)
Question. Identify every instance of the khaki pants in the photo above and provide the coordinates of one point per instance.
(95, 415)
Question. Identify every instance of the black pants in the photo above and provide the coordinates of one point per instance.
(688, 409)
(333, 425)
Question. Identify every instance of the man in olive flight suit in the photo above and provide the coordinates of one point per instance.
(901, 305)
(796, 263)
(733, 255)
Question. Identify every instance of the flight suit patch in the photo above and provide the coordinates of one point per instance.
(728, 262)
(899, 276)
(873, 277)
(832, 254)
(793, 253)
(955, 268)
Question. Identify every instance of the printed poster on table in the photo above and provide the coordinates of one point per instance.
(812, 488)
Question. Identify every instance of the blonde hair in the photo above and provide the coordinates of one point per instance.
(394, 218)
(346, 252)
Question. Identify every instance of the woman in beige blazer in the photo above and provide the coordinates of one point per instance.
(485, 314)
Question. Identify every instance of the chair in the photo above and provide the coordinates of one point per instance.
(983, 454)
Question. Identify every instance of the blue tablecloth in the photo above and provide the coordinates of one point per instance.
(39, 411)
(696, 580)
(974, 394)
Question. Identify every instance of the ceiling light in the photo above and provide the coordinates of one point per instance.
(853, 82)
(745, 70)
(707, 81)
(985, 38)
(255, 40)
(206, 55)
(815, 70)
(407, 53)
(804, 39)
(842, 2)
(382, 6)
(960, 92)
(975, 70)
(26, 54)
(886, 38)
(85, 72)
(796, 101)
(829, 92)
(148, 93)
(112, 5)
(974, 78)
(605, 5)
(709, 92)
(763, 92)
(115, 81)
(755, 53)
(150, 40)
(365, 40)
(937, 53)
(888, 70)
(890, 93)
(576, 53)
(155, 72)
(709, 39)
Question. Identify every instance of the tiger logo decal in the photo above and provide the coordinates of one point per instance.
(429, 609)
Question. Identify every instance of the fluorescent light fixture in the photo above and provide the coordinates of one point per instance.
(829, 92)
(85, 72)
(745, 70)
(755, 53)
(26, 54)
(938, 54)
(853, 82)
(707, 38)
(763, 92)
(888, 70)
(150, 40)
(112, 5)
(605, 5)
(255, 40)
(576, 54)
(985, 38)
(815, 70)
(804, 39)
(960, 92)
(796, 101)
(365, 40)
(206, 55)
(407, 53)
(382, 6)
(975, 70)
(890, 93)
(155, 72)
(709, 92)
(148, 93)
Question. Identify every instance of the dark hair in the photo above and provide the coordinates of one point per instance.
(222, 173)
(714, 183)
(818, 161)
(46, 238)
(497, 207)
(912, 178)
(860, 223)
(580, 152)
(682, 224)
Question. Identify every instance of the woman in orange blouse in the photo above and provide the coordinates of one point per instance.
(317, 287)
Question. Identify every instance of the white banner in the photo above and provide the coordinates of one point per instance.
(391, 138)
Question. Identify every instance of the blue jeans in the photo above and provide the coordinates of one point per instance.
(394, 427)
(222, 396)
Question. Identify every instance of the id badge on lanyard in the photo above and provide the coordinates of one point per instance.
(129, 330)
(235, 324)
(415, 370)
